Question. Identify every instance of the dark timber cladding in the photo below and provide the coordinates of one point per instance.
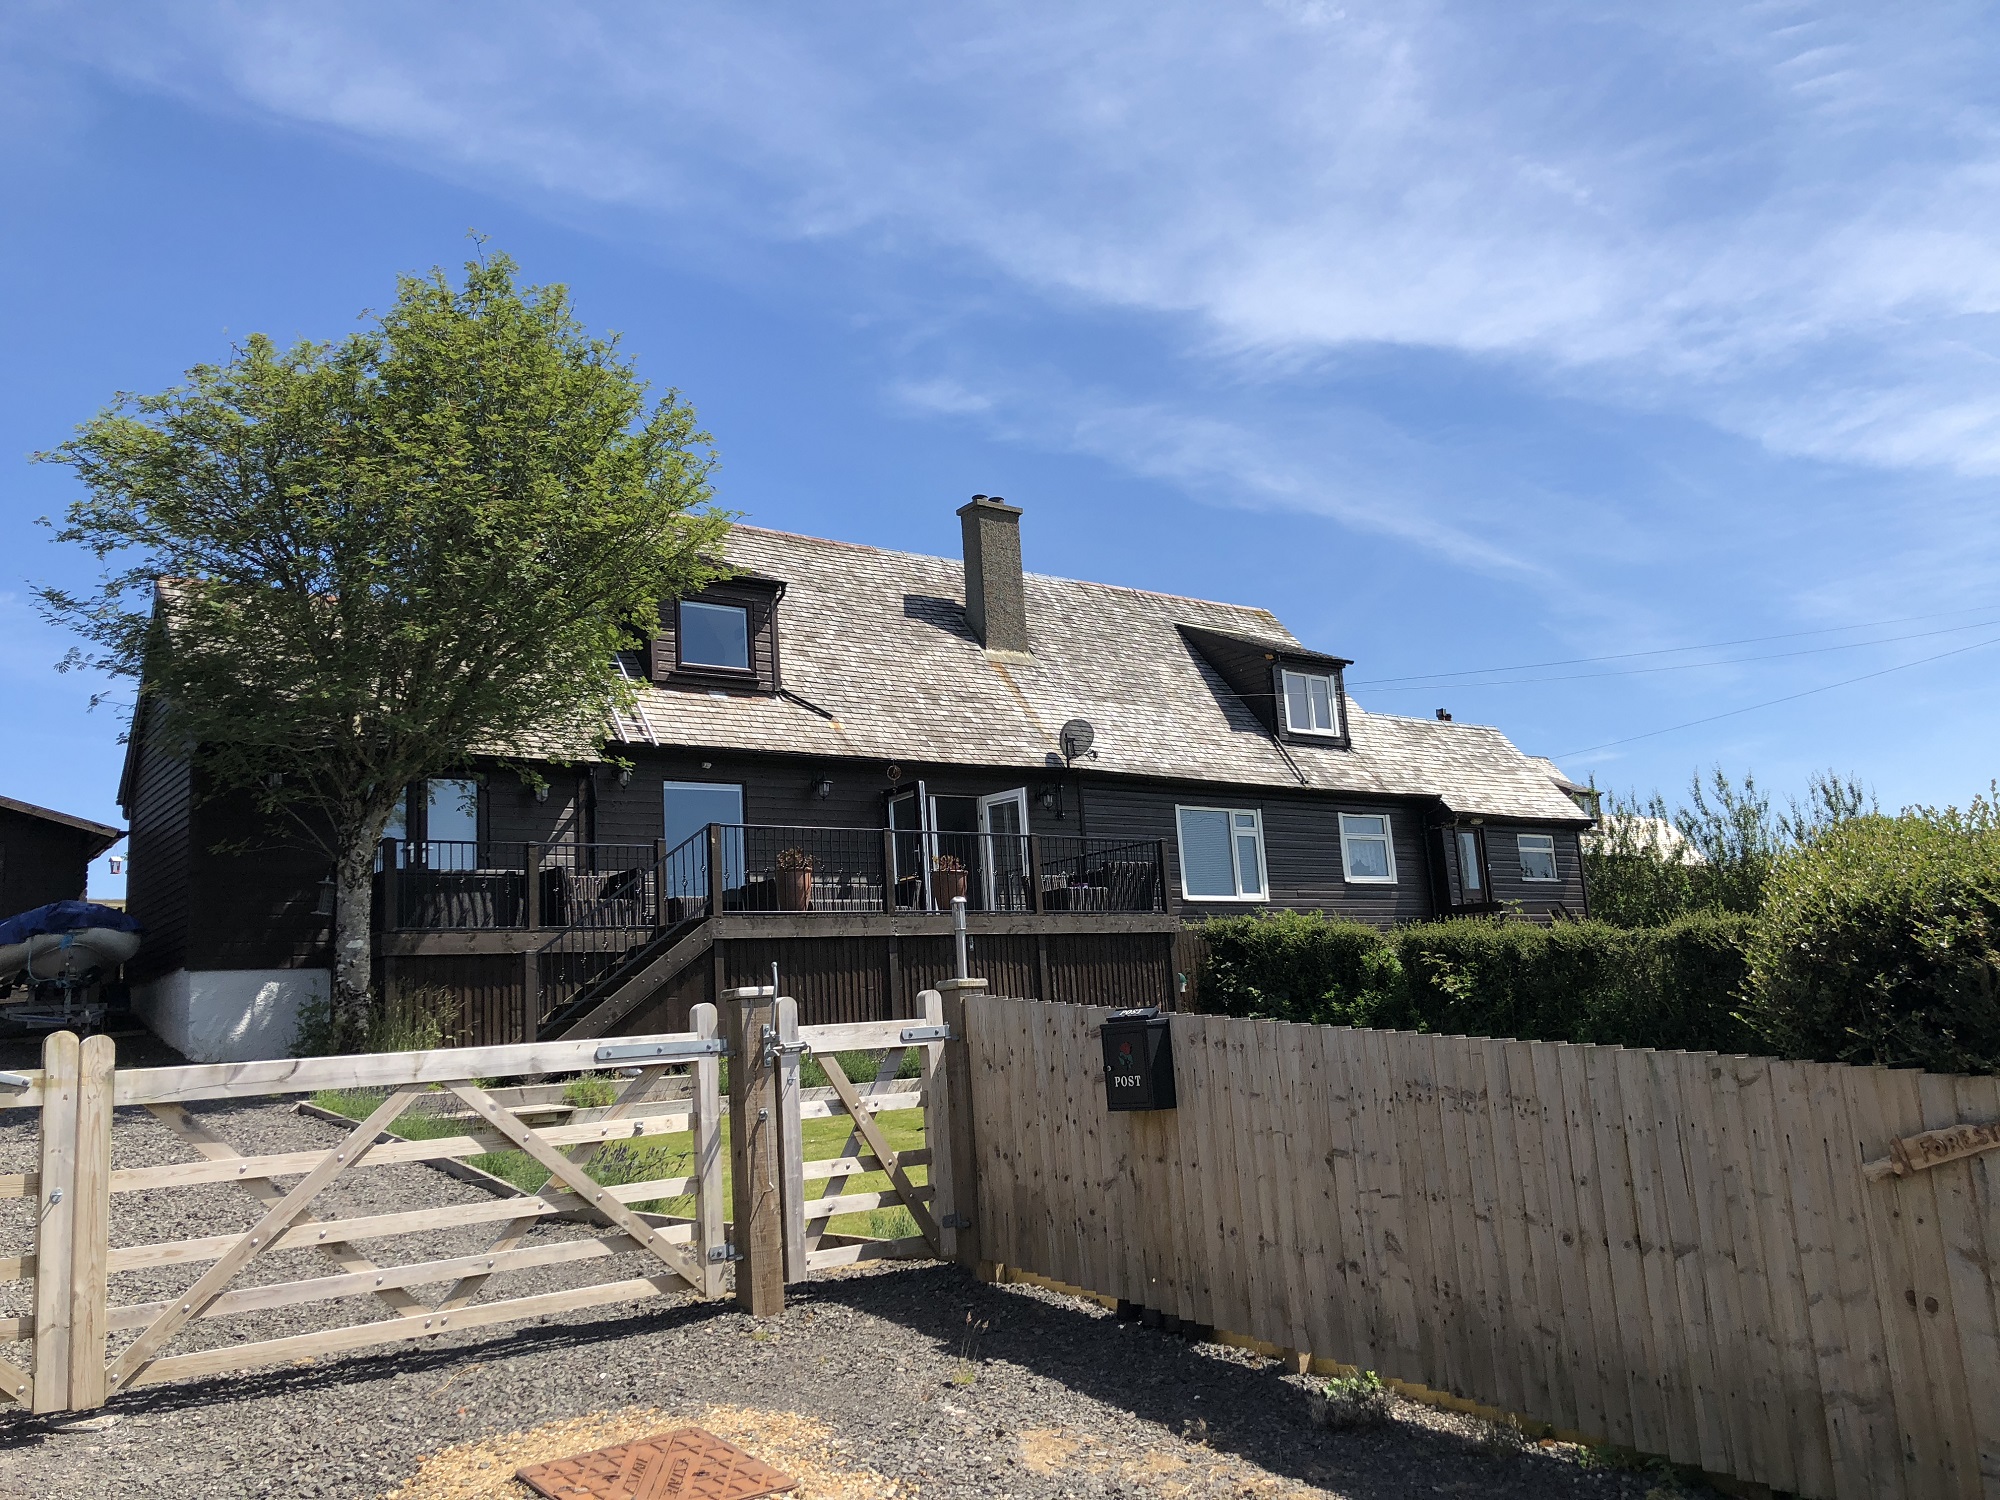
(45, 855)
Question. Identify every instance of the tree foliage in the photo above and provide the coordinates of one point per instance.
(1648, 864)
(1879, 942)
(336, 568)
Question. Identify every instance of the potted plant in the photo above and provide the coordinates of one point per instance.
(947, 879)
(795, 880)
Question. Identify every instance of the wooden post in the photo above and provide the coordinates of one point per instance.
(660, 907)
(531, 995)
(939, 1126)
(90, 1224)
(1035, 897)
(55, 1222)
(531, 904)
(715, 886)
(710, 1232)
(389, 918)
(753, 1151)
(791, 1144)
(956, 1199)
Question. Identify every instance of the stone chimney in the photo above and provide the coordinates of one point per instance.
(995, 603)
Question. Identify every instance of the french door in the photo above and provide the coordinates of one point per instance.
(1003, 819)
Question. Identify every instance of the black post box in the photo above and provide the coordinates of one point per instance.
(1138, 1061)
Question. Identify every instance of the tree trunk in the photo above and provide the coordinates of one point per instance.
(353, 954)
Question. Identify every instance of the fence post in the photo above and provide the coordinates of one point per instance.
(753, 1149)
(955, 1200)
(55, 1219)
(90, 1226)
(711, 1242)
(531, 904)
(715, 884)
(791, 1143)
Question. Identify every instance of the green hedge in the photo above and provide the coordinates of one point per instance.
(1677, 985)
(1880, 943)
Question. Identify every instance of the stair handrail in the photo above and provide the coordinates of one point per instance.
(658, 873)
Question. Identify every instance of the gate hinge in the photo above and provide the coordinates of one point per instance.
(955, 1221)
(722, 1253)
(926, 1034)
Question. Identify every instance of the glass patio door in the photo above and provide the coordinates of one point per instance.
(1003, 819)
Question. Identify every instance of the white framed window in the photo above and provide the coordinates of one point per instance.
(714, 635)
(1538, 856)
(1222, 854)
(1311, 705)
(1367, 851)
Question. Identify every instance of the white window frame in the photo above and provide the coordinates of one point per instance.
(1263, 896)
(1332, 703)
(1388, 837)
(1521, 850)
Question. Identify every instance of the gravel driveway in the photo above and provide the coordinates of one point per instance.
(868, 1369)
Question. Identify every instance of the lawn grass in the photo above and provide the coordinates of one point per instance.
(661, 1156)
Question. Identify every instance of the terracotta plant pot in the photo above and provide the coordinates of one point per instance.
(795, 889)
(947, 885)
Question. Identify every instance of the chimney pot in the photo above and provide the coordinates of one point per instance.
(996, 603)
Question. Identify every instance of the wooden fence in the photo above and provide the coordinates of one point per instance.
(1707, 1257)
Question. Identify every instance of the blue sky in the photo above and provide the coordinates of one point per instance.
(1463, 337)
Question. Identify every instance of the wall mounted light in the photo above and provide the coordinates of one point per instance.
(822, 785)
(624, 775)
(1050, 796)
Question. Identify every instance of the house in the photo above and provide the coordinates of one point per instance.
(827, 747)
(45, 855)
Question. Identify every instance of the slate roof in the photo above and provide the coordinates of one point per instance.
(879, 640)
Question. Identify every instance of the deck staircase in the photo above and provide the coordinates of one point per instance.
(626, 982)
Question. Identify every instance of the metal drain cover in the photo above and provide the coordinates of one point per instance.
(686, 1463)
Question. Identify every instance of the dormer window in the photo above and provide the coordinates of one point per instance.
(723, 639)
(1310, 703)
(714, 637)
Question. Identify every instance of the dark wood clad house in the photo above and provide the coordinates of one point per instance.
(45, 855)
(828, 747)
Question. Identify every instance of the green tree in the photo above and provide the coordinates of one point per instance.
(337, 568)
(1648, 864)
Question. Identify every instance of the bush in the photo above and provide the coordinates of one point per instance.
(1672, 986)
(417, 1020)
(1297, 966)
(1880, 943)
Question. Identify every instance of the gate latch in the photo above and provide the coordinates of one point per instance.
(775, 1049)
(926, 1034)
(723, 1253)
(955, 1221)
(13, 1081)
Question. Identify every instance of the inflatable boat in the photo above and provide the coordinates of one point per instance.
(65, 941)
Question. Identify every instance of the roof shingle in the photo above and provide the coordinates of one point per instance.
(879, 640)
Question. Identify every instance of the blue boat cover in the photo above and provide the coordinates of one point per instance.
(64, 916)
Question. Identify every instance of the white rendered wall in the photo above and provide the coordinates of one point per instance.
(229, 1015)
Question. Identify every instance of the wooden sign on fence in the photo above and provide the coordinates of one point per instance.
(1933, 1148)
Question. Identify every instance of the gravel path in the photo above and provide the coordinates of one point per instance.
(1057, 1399)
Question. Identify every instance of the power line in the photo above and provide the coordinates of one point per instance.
(1788, 698)
(1692, 666)
(1748, 640)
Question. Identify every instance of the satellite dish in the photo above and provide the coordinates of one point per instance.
(1077, 736)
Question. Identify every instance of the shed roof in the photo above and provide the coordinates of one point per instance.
(101, 835)
(879, 641)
